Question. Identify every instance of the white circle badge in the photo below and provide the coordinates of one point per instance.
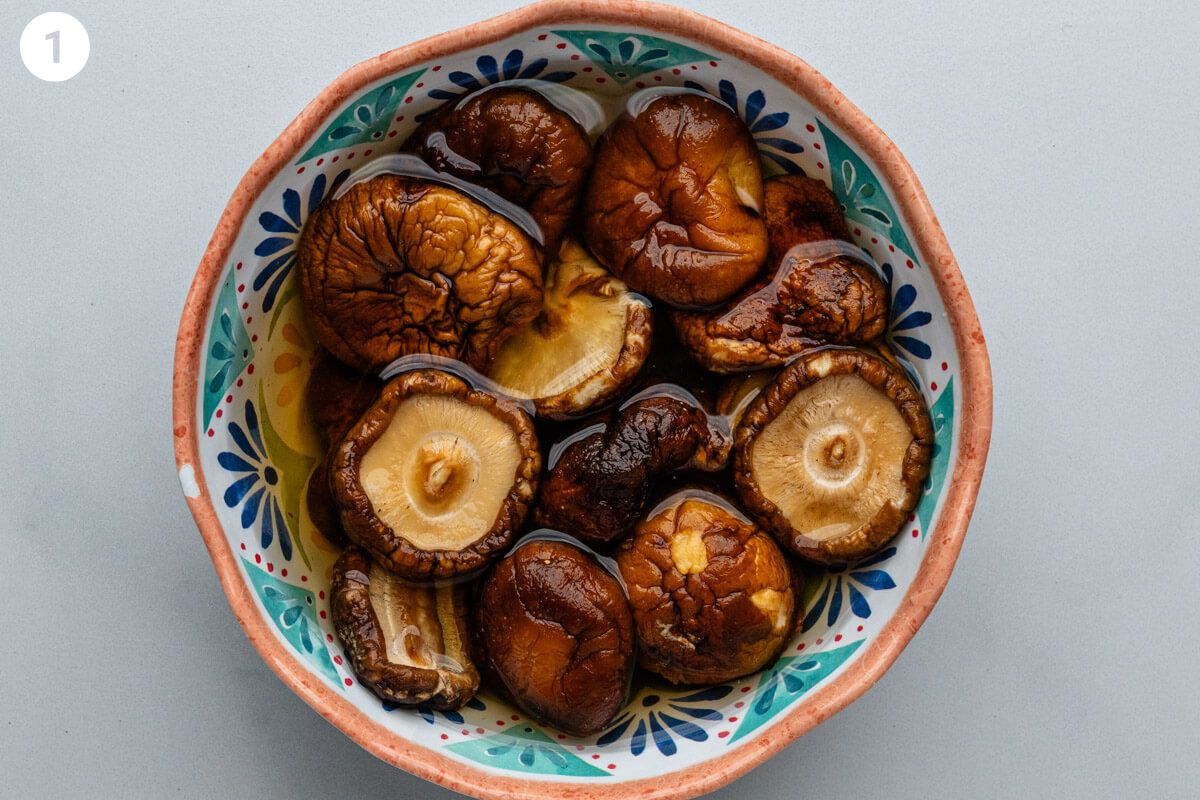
(55, 46)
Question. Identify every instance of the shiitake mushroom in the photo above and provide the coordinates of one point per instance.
(555, 634)
(672, 205)
(408, 642)
(517, 143)
(712, 594)
(398, 266)
(586, 346)
(436, 477)
(598, 488)
(832, 455)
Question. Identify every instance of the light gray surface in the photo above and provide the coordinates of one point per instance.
(1058, 146)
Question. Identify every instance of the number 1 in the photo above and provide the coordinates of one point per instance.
(54, 35)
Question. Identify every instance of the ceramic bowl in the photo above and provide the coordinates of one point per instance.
(245, 451)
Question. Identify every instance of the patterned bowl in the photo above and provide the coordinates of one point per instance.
(245, 450)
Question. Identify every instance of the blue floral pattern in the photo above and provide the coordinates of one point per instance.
(280, 246)
(764, 127)
(902, 331)
(229, 349)
(365, 120)
(490, 71)
(849, 588)
(256, 491)
(653, 719)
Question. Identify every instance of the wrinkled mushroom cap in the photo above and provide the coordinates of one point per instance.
(515, 142)
(588, 343)
(398, 266)
(555, 633)
(672, 203)
(712, 595)
(800, 210)
(436, 476)
(831, 457)
(409, 643)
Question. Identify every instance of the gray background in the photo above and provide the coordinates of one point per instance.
(1058, 145)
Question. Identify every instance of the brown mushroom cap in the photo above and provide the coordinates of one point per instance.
(588, 344)
(831, 457)
(409, 643)
(600, 484)
(799, 210)
(672, 203)
(515, 142)
(712, 595)
(322, 508)
(555, 633)
(436, 476)
(398, 266)
(821, 291)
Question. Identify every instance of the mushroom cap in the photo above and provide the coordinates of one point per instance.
(600, 484)
(588, 343)
(818, 296)
(672, 203)
(322, 508)
(397, 266)
(832, 456)
(436, 476)
(515, 142)
(712, 595)
(555, 633)
(409, 643)
(799, 210)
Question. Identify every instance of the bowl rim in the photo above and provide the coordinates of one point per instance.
(974, 433)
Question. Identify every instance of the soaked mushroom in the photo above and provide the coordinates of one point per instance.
(799, 210)
(322, 508)
(598, 488)
(555, 633)
(712, 594)
(436, 476)
(672, 205)
(587, 345)
(821, 292)
(397, 266)
(408, 642)
(831, 457)
(515, 142)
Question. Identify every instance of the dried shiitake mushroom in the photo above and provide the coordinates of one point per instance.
(515, 142)
(408, 642)
(798, 210)
(397, 266)
(588, 343)
(436, 476)
(672, 205)
(554, 632)
(600, 484)
(322, 508)
(712, 594)
(831, 457)
(821, 292)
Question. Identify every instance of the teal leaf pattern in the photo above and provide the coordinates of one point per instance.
(525, 749)
(861, 193)
(365, 120)
(625, 56)
(291, 611)
(229, 349)
(789, 679)
(942, 414)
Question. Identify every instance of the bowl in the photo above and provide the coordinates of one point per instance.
(245, 450)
